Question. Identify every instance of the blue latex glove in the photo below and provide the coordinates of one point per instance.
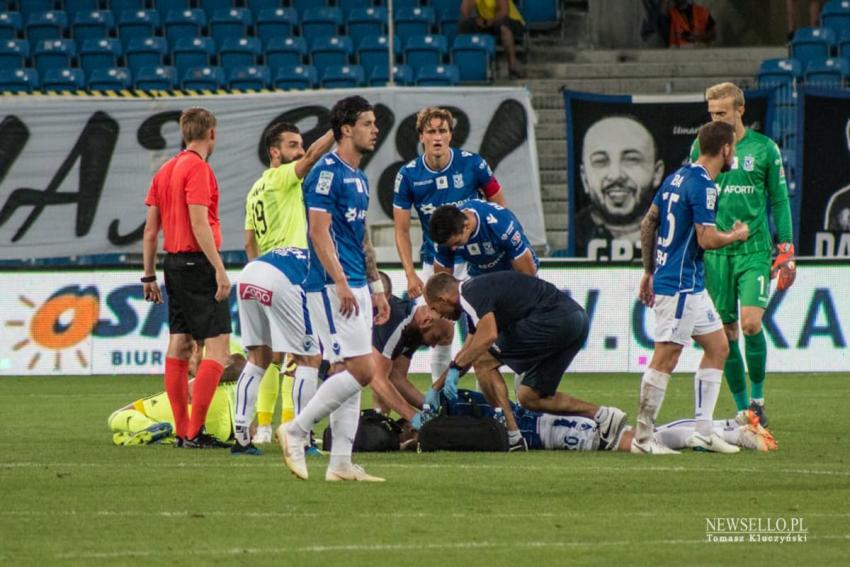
(450, 387)
(432, 398)
(417, 421)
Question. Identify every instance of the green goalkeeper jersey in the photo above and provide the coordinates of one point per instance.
(756, 178)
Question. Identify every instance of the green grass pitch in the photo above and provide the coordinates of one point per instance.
(70, 497)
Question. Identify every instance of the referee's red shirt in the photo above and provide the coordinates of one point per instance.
(186, 179)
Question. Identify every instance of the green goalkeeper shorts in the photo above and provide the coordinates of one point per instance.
(740, 277)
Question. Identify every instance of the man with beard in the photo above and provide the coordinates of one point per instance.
(620, 170)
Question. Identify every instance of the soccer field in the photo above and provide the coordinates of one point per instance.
(69, 496)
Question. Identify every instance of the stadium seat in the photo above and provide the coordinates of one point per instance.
(363, 22)
(449, 28)
(844, 48)
(285, 52)
(29, 7)
(373, 52)
(343, 77)
(188, 24)
(63, 80)
(402, 74)
(253, 78)
(320, 22)
(399, 4)
(446, 8)
(14, 53)
(296, 77)
(302, 5)
(831, 73)
(73, 7)
(836, 17)
(46, 25)
(99, 54)
(92, 25)
(119, 6)
(330, 51)
(241, 52)
(146, 52)
(780, 74)
(138, 23)
(257, 6)
(812, 44)
(473, 54)
(413, 21)
(437, 76)
(278, 23)
(540, 14)
(348, 6)
(192, 52)
(10, 25)
(164, 6)
(424, 50)
(113, 79)
(18, 80)
(53, 54)
(213, 6)
(203, 78)
(156, 79)
(230, 23)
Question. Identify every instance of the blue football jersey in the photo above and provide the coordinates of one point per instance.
(336, 188)
(294, 263)
(496, 242)
(424, 189)
(686, 198)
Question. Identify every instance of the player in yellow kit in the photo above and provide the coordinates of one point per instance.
(275, 218)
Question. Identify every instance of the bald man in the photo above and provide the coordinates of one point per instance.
(620, 171)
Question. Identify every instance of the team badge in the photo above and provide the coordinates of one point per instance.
(488, 248)
(473, 249)
(749, 163)
(442, 182)
(308, 343)
(323, 186)
(457, 179)
(710, 198)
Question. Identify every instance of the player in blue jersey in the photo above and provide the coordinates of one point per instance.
(678, 227)
(442, 175)
(343, 270)
(488, 237)
(274, 317)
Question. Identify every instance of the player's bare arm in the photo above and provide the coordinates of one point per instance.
(525, 264)
(320, 236)
(401, 381)
(251, 248)
(150, 244)
(709, 238)
(441, 269)
(316, 150)
(648, 232)
(198, 216)
(376, 284)
(498, 198)
(486, 333)
(401, 220)
(383, 386)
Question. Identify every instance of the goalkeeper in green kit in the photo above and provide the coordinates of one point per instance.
(741, 272)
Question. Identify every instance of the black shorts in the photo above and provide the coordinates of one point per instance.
(471, 26)
(542, 347)
(192, 308)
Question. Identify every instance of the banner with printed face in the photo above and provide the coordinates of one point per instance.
(619, 150)
(96, 322)
(74, 172)
(825, 209)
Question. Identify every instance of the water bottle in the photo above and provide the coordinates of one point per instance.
(499, 416)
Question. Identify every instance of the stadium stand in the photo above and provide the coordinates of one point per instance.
(437, 76)
(92, 25)
(320, 22)
(296, 77)
(146, 52)
(158, 78)
(203, 78)
(54, 54)
(18, 80)
(211, 7)
(413, 21)
(192, 52)
(473, 56)
(233, 23)
(137, 24)
(30, 7)
(252, 78)
(46, 25)
(10, 25)
(343, 77)
(166, 6)
(402, 75)
(120, 6)
(835, 16)
(112, 79)
(257, 6)
(276, 23)
(329, 52)
(365, 22)
(422, 50)
(63, 80)
(373, 52)
(828, 73)
(100, 54)
(77, 6)
(188, 23)
(14, 53)
(812, 44)
(239, 52)
(285, 52)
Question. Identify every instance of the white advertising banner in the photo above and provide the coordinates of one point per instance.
(74, 172)
(96, 322)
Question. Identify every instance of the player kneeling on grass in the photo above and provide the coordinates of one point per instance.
(529, 325)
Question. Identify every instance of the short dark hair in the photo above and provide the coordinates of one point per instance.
(438, 284)
(346, 112)
(447, 221)
(713, 136)
(273, 133)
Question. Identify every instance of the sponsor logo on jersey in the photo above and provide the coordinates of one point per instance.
(457, 180)
(358, 183)
(493, 264)
(509, 231)
(749, 163)
(329, 161)
(353, 214)
(488, 248)
(397, 182)
(250, 292)
(323, 186)
(491, 219)
(427, 209)
(739, 189)
(423, 182)
(442, 182)
(516, 239)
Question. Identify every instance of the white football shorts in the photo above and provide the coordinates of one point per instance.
(342, 337)
(680, 317)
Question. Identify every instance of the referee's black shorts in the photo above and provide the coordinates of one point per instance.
(192, 308)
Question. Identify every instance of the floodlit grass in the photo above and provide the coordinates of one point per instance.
(69, 496)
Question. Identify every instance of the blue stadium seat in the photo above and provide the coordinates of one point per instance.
(348, 6)
(402, 74)
(253, 78)
(213, 6)
(302, 5)
(203, 78)
(99, 54)
(29, 7)
(424, 50)
(146, 52)
(780, 74)
(189, 52)
(320, 22)
(540, 14)
(828, 73)
(164, 6)
(241, 52)
(10, 25)
(18, 80)
(296, 77)
(92, 25)
(343, 77)
(413, 21)
(836, 16)
(14, 53)
(188, 23)
(46, 25)
(844, 48)
(399, 4)
(156, 79)
(277, 23)
(473, 54)
(118, 6)
(812, 44)
(137, 23)
(257, 6)
(113, 79)
(330, 51)
(449, 27)
(373, 52)
(446, 8)
(437, 76)
(230, 23)
(63, 80)
(72, 7)
(363, 22)
(285, 52)
(53, 54)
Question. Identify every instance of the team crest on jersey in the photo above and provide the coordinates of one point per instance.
(442, 182)
(335, 347)
(710, 198)
(488, 248)
(749, 163)
(308, 343)
(473, 249)
(457, 179)
(323, 187)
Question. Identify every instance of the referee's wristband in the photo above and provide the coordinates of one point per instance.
(148, 279)
(377, 286)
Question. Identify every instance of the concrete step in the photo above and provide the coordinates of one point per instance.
(555, 221)
(555, 207)
(552, 48)
(547, 66)
(552, 162)
(553, 117)
(615, 85)
(546, 131)
(553, 192)
(552, 150)
(554, 176)
(557, 239)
